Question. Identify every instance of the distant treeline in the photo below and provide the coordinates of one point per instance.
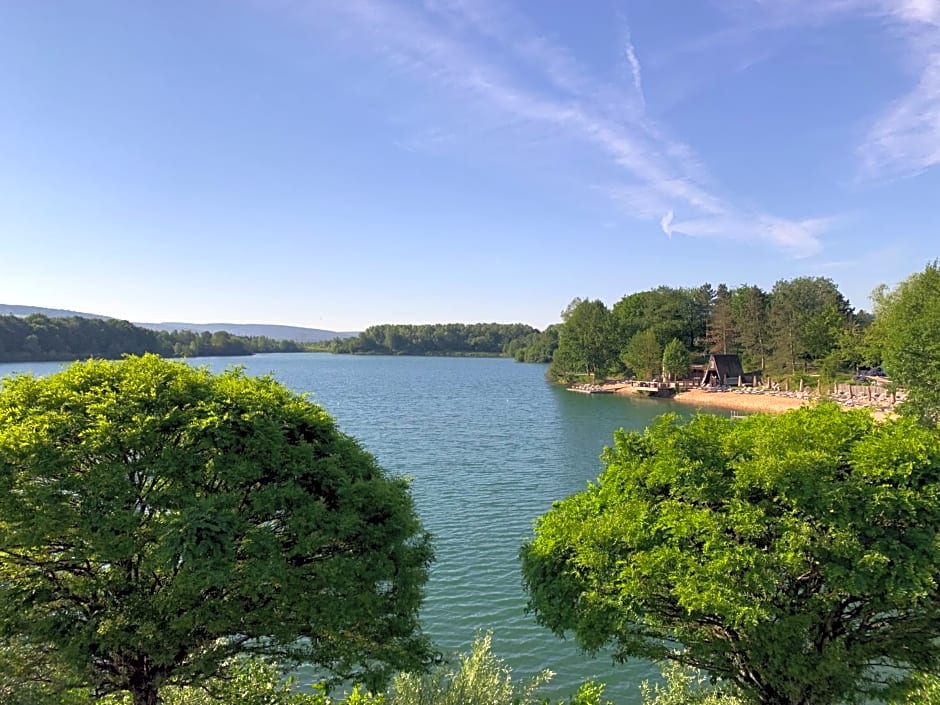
(804, 324)
(434, 339)
(38, 337)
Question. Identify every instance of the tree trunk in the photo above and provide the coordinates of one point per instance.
(146, 694)
(144, 683)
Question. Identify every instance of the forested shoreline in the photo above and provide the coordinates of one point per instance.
(485, 339)
(38, 338)
(802, 325)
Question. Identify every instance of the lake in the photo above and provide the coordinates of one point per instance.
(489, 445)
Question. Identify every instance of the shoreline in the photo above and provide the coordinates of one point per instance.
(747, 400)
(742, 401)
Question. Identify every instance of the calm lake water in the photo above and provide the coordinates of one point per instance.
(489, 445)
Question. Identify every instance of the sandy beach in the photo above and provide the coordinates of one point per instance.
(747, 400)
(764, 402)
(738, 401)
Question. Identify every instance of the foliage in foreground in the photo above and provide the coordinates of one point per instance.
(685, 686)
(481, 678)
(257, 682)
(787, 555)
(924, 690)
(475, 678)
(157, 520)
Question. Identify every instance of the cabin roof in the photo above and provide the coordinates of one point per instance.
(726, 365)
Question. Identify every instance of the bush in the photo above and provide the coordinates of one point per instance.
(480, 678)
(686, 686)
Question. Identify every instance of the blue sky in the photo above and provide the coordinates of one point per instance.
(337, 164)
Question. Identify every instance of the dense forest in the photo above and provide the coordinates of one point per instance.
(435, 339)
(39, 337)
(801, 325)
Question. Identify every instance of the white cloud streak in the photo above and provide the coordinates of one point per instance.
(904, 139)
(494, 60)
(635, 70)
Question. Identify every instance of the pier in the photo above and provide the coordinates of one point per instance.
(652, 388)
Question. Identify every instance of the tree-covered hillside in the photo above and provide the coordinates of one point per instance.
(38, 337)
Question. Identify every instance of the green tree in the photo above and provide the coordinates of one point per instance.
(749, 311)
(36, 676)
(534, 347)
(156, 520)
(807, 315)
(720, 335)
(697, 306)
(848, 352)
(631, 315)
(796, 557)
(644, 355)
(586, 341)
(676, 359)
(906, 336)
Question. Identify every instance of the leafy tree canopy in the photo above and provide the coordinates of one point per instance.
(906, 334)
(644, 355)
(806, 316)
(156, 519)
(586, 341)
(797, 556)
(675, 359)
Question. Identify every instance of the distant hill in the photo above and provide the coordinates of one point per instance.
(275, 332)
(10, 310)
(295, 333)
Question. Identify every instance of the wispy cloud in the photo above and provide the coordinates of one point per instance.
(635, 71)
(904, 139)
(496, 61)
(800, 238)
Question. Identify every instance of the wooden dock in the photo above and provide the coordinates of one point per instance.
(590, 389)
(648, 388)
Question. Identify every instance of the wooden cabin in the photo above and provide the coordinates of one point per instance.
(723, 370)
